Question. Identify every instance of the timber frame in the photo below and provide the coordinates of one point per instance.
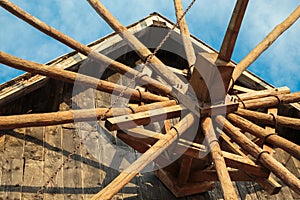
(239, 127)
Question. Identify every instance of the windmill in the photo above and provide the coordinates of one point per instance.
(206, 99)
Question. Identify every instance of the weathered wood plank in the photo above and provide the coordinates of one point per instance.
(72, 170)
(53, 158)
(143, 118)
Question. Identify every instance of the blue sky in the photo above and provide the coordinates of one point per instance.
(207, 20)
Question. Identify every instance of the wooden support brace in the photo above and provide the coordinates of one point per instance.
(269, 119)
(271, 101)
(264, 158)
(143, 118)
(260, 132)
(256, 94)
(218, 159)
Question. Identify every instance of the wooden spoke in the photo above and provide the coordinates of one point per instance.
(227, 187)
(139, 47)
(55, 118)
(274, 139)
(264, 158)
(128, 174)
(233, 30)
(263, 93)
(185, 34)
(271, 101)
(71, 77)
(266, 43)
(268, 119)
(70, 42)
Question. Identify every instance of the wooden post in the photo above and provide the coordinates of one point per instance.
(227, 187)
(264, 158)
(139, 47)
(185, 34)
(268, 119)
(233, 30)
(55, 118)
(70, 42)
(71, 77)
(267, 41)
(270, 101)
(128, 174)
(263, 93)
(260, 132)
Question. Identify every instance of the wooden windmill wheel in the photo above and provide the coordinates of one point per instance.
(236, 128)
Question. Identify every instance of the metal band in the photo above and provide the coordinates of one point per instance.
(267, 136)
(146, 60)
(132, 110)
(259, 155)
(140, 100)
(274, 119)
(278, 99)
(241, 100)
(177, 140)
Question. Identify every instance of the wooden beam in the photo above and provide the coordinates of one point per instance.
(137, 46)
(185, 34)
(269, 184)
(211, 175)
(62, 117)
(256, 94)
(185, 147)
(218, 159)
(260, 132)
(72, 77)
(85, 50)
(180, 191)
(243, 89)
(268, 119)
(185, 169)
(271, 101)
(239, 162)
(143, 118)
(128, 174)
(233, 30)
(264, 158)
(267, 42)
(233, 147)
